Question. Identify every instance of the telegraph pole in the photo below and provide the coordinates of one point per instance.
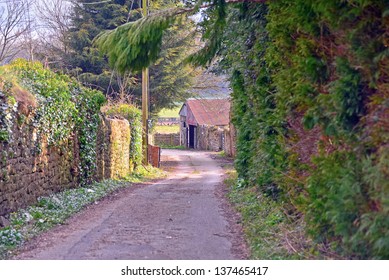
(145, 100)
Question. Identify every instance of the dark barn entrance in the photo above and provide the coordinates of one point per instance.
(191, 136)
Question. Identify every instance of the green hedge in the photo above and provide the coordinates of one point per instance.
(310, 104)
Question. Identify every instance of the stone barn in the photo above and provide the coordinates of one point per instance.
(203, 123)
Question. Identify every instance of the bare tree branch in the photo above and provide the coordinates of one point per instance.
(54, 16)
(13, 25)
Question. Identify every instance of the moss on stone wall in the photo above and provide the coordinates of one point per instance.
(132, 114)
(114, 141)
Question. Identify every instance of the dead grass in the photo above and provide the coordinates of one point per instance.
(24, 96)
(20, 94)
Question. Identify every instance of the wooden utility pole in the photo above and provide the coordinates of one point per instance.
(145, 100)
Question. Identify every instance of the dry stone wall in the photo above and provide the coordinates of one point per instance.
(170, 139)
(214, 138)
(113, 148)
(29, 168)
(48, 136)
(210, 138)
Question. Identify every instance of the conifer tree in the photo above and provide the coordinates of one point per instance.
(169, 78)
(89, 18)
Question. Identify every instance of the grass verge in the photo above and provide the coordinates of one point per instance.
(269, 232)
(173, 147)
(56, 208)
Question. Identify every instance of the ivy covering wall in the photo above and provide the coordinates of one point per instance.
(62, 109)
(311, 108)
(53, 135)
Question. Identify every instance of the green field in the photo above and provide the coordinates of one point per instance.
(169, 113)
(166, 129)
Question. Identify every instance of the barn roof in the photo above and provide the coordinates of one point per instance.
(208, 111)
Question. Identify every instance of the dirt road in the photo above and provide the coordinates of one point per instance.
(181, 217)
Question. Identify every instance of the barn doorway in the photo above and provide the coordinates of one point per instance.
(191, 136)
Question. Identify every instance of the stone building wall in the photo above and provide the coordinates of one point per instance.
(229, 146)
(210, 138)
(183, 132)
(214, 138)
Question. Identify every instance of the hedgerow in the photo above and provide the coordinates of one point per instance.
(310, 104)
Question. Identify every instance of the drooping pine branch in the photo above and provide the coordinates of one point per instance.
(135, 45)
